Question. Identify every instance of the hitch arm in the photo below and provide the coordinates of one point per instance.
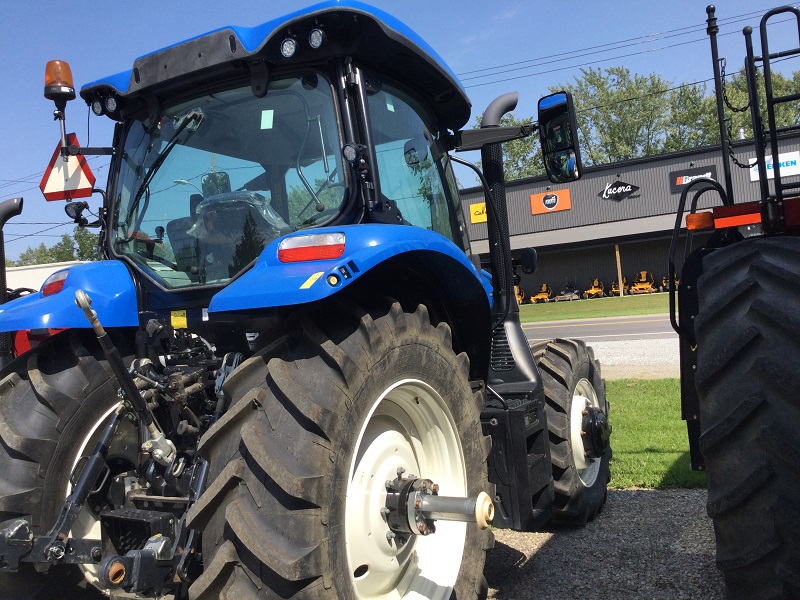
(17, 543)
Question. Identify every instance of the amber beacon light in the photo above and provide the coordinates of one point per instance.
(58, 84)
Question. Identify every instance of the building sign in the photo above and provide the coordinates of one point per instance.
(789, 164)
(618, 191)
(477, 212)
(550, 202)
(679, 179)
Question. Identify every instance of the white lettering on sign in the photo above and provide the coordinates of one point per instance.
(620, 189)
(788, 162)
(685, 179)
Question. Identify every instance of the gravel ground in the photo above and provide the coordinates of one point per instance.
(638, 359)
(649, 544)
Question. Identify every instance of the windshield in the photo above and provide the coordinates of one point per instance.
(209, 182)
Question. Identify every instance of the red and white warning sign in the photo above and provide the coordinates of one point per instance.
(67, 179)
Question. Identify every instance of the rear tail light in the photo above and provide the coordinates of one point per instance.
(314, 246)
(54, 283)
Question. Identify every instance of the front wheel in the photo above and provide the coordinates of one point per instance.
(577, 419)
(322, 420)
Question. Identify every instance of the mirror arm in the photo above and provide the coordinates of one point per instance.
(73, 150)
(475, 139)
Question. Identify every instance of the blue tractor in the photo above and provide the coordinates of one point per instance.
(289, 377)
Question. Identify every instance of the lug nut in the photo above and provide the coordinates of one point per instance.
(55, 552)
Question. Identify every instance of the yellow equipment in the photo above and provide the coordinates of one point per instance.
(520, 294)
(643, 284)
(544, 295)
(615, 287)
(596, 291)
(664, 287)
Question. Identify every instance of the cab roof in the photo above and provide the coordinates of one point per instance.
(372, 37)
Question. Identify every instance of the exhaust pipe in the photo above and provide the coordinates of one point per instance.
(8, 209)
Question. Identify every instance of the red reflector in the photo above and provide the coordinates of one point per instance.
(736, 215)
(310, 253)
(737, 220)
(54, 283)
(315, 246)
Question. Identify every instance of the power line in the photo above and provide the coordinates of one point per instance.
(38, 233)
(640, 39)
(620, 44)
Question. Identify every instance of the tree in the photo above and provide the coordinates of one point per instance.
(737, 107)
(521, 158)
(35, 256)
(86, 244)
(64, 250)
(248, 248)
(620, 116)
(693, 121)
(81, 246)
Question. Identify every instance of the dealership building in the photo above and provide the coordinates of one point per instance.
(626, 209)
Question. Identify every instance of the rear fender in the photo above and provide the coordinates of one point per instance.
(271, 283)
(108, 283)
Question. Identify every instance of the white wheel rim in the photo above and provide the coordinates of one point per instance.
(583, 397)
(87, 525)
(408, 426)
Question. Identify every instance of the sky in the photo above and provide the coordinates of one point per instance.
(494, 48)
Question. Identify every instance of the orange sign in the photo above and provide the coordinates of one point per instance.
(550, 202)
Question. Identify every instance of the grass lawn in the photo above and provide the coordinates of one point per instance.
(649, 439)
(646, 304)
(651, 448)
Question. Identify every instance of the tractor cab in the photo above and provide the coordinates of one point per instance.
(320, 119)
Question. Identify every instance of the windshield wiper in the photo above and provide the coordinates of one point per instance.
(194, 118)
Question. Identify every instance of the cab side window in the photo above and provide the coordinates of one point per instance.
(413, 169)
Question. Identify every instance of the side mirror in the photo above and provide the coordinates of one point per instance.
(415, 151)
(215, 183)
(529, 260)
(558, 132)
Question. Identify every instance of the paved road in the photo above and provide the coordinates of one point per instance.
(643, 347)
(608, 329)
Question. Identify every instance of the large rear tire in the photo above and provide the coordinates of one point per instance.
(319, 421)
(748, 373)
(53, 401)
(573, 386)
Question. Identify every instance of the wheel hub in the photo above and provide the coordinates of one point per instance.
(413, 505)
(595, 432)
